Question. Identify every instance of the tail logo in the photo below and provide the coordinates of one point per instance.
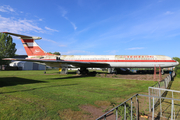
(36, 51)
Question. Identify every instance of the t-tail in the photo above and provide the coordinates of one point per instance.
(31, 47)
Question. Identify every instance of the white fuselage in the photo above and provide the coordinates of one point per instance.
(126, 61)
(123, 61)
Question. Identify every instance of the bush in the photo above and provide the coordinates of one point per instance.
(178, 73)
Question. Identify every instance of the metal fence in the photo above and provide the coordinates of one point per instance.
(165, 82)
(129, 109)
(133, 113)
(161, 105)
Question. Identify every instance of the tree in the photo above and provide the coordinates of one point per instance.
(55, 53)
(7, 47)
(177, 68)
(177, 59)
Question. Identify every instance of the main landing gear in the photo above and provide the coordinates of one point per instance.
(83, 71)
(45, 70)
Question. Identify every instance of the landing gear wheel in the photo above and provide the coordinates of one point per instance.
(83, 71)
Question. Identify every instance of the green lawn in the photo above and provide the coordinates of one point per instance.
(34, 95)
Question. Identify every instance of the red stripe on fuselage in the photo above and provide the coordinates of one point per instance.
(116, 60)
(124, 60)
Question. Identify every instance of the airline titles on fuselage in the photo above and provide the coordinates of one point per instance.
(118, 57)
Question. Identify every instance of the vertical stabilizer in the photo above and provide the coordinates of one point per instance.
(31, 47)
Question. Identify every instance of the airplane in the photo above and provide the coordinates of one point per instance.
(37, 54)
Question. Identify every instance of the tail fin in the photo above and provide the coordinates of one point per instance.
(31, 47)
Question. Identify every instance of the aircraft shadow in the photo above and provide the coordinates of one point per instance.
(38, 88)
(90, 74)
(12, 81)
(69, 77)
(77, 76)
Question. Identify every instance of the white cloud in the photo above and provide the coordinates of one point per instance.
(169, 13)
(74, 26)
(18, 25)
(47, 28)
(52, 41)
(12, 24)
(64, 12)
(135, 48)
(21, 51)
(6, 8)
(113, 52)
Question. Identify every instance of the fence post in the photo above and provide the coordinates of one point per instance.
(137, 108)
(165, 83)
(149, 90)
(116, 113)
(105, 117)
(131, 109)
(172, 109)
(160, 102)
(124, 111)
(153, 110)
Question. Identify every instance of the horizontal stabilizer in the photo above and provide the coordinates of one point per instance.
(23, 36)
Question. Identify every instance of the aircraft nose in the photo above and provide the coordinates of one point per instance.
(177, 62)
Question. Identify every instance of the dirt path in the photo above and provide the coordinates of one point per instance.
(133, 76)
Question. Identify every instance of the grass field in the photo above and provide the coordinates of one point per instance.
(34, 95)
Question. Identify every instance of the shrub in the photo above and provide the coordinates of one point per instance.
(178, 73)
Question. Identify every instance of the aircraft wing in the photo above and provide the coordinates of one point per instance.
(58, 62)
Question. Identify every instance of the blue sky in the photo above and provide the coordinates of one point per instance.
(96, 27)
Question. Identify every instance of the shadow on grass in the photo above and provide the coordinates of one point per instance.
(12, 81)
(77, 76)
(38, 88)
(70, 77)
